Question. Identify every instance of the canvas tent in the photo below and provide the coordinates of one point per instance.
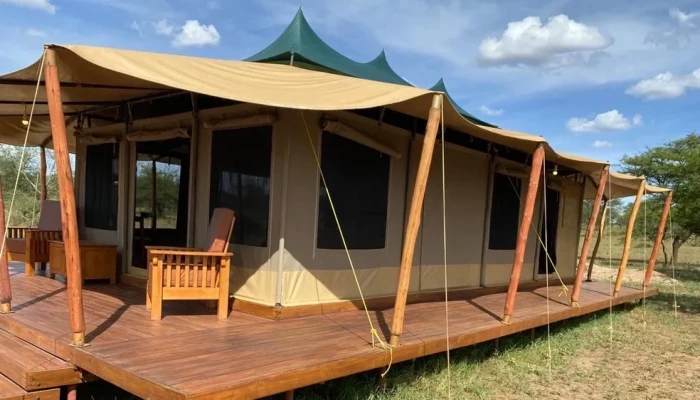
(287, 266)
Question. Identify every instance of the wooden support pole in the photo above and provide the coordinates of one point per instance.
(578, 281)
(74, 279)
(628, 238)
(523, 231)
(598, 240)
(659, 238)
(289, 395)
(414, 219)
(153, 196)
(71, 392)
(42, 174)
(5, 288)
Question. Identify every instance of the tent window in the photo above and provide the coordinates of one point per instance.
(505, 212)
(240, 180)
(548, 232)
(101, 186)
(358, 180)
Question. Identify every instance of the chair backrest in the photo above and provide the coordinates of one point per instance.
(50, 216)
(220, 228)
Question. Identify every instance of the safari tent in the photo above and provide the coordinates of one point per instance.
(302, 144)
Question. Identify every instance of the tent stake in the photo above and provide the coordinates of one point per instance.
(5, 288)
(592, 220)
(659, 238)
(628, 238)
(66, 193)
(598, 240)
(414, 219)
(523, 231)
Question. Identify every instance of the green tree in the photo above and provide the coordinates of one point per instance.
(675, 165)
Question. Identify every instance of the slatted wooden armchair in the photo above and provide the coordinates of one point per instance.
(193, 274)
(31, 245)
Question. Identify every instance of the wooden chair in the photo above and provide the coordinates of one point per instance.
(193, 274)
(31, 245)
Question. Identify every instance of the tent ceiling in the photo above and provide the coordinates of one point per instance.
(123, 75)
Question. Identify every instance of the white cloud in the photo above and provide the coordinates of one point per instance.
(684, 27)
(137, 27)
(164, 28)
(684, 19)
(34, 32)
(196, 35)
(612, 120)
(665, 86)
(530, 42)
(191, 34)
(491, 112)
(43, 5)
(601, 143)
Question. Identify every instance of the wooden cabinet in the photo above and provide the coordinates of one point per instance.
(97, 260)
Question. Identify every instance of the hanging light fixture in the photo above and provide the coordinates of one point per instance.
(25, 121)
(556, 170)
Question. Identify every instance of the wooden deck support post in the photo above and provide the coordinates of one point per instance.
(628, 238)
(414, 218)
(66, 192)
(592, 220)
(598, 240)
(42, 174)
(523, 231)
(5, 288)
(659, 238)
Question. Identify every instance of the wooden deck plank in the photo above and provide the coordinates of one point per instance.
(32, 368)
(190, 354)
(10, 391)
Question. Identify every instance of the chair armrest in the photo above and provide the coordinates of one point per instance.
(180, 252)
(172, 248)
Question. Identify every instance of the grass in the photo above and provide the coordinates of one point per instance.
(651, 352)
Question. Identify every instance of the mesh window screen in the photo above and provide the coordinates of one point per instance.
(240, 180)
(101, 184)
(358, 180)
(505, 212)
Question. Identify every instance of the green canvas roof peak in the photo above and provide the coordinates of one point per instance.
(439, 86)
(300, 45)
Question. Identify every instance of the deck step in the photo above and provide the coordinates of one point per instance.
(32, 368)
(10, 391)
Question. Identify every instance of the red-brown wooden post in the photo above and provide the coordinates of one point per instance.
(74, 279)
(5, 288)
(599, 239)
(659, 238)
(523, 231)
(592, 220)
(628, 238)
(414, 219)
(42, 174)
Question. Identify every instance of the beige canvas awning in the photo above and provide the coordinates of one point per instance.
(91, 76)
(621, 185)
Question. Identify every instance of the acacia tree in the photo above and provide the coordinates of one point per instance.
(675, 165)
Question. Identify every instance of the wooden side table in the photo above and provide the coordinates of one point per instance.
(97, 260)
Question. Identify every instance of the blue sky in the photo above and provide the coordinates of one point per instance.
(596, 78)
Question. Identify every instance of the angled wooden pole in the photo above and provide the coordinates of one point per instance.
(42, 174)
(589, 234)
(414, 219)
(659, 238)
(599, 239)
(74, 279)
(523, 231)
(628, 238)
(5, 288)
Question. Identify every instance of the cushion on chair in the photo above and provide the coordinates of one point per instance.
(50, 217)
(220, 230)
(16, 245)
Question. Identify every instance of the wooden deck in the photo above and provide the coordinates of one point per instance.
(190, 354)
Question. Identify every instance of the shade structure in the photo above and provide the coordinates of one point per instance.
(621, 185)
